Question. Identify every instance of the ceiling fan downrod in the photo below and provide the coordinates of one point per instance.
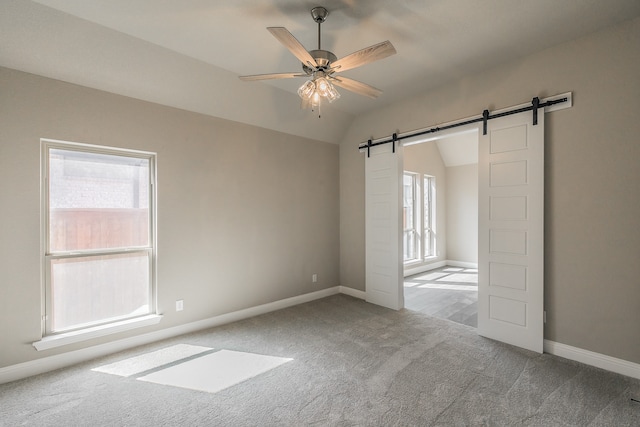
(319, 15)
(322, 57)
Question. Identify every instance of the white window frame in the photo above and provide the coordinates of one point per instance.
(429, 222)
(424, 189)
(415, 230)
(49, 338)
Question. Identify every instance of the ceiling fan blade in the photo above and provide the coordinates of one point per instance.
(286, 38)
(356, 86)
(364, 56)
(271, 76)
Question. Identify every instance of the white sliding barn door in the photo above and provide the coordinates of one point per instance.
(383, 223)
(510, 231)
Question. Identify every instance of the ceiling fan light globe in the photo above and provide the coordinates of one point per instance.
(332, 94)
(305, 104)
(307, 90)
(323, 86)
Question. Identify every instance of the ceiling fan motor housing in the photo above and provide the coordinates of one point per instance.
(323, 58)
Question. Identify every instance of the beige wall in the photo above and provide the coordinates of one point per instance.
(245, 215)
(425, 159)
(592, 179)
(462, 213)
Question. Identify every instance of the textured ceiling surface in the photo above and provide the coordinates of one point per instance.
(436, 40)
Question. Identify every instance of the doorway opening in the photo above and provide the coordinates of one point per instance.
(440, 218)
(446, 292)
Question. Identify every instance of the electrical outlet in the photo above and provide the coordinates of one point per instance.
(179, 305)
(314, 278)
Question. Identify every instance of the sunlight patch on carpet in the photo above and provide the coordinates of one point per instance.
(430, 276)
(154, 359)
(449, 287)
(216, 371)
(411, 284)
(460, 277)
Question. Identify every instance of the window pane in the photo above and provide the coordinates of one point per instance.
(95, 289)
(428, 251)
(97, 201)
(429, 216)
(408, 192)
(410, 241)
(409, 245)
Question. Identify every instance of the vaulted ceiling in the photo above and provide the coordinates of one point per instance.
(189, 53)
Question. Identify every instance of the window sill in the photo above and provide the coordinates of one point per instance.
(59, 340)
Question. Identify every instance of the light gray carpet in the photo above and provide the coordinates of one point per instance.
(353, 364)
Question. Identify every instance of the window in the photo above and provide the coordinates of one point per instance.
(419, 217)
(99, 236)
(410, 219)
(429, 215)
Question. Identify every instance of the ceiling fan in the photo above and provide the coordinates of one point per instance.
(322, 66)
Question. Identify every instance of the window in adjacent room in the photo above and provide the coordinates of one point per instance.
(429, 216)
(411, 237)
(99, 236)
(419, 217)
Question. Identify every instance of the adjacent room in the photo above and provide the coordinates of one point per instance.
(440, 226)
(281, 212)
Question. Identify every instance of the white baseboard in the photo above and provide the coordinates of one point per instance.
(462, 264)
(598, 360)
(353, 292)
(423, 268)
(49, 363)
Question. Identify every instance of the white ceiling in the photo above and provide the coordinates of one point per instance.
(437, 41)
(456, 147)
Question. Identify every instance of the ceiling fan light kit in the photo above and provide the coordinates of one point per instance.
(320, 66)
